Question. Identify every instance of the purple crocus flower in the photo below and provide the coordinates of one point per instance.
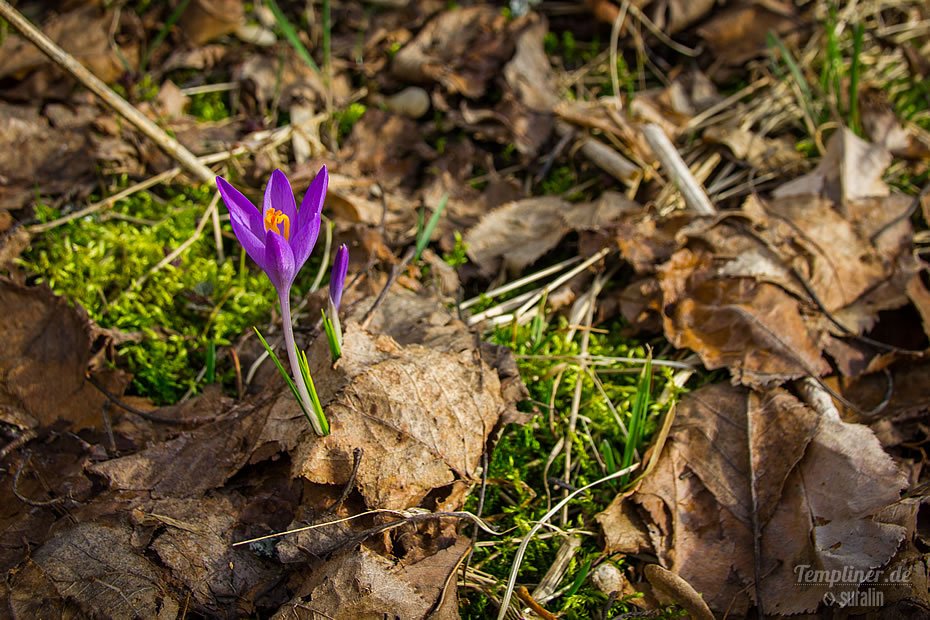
(337, 279)
(279, 239)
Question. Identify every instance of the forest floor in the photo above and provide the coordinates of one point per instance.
(635, 324)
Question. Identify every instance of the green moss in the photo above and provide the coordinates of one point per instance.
(457, 257)
(209, 106)
(559, 180)
(346, 119)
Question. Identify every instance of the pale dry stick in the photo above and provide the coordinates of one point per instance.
(326, 250)
(667, 203)
(506, 288)
(553, 577)
(107, 202)
(677, 170)
(560, 281)
(210, 88)
(501, 308)
(657, 32)
(521, 551)
(523, 319)
(614, 44)
(211, 212)
(679, 379)
(610, 161)
(169, 145)
(258, 362)
(67, 62)
(217, 235)
(594, 291)
(706, 117)
(579, 309)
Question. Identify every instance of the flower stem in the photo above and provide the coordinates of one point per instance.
(285, 301)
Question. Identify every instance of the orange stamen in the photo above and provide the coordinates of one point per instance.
(273, 218)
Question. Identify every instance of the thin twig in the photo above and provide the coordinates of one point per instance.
(396, 270)
(406, 516)
(350, 483)
(323, 264)
(106, 203)
(162, 177)
(506, 288)
(23, 498)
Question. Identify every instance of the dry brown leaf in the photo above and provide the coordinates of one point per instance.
(36, 152)
(907, 390)
(761, 152)
(753, 328)
(387, 147)
(419, 398)
(739, 32)
(12, 244)
(421, 416)
(85, 34)
(818, 488)
(806, 237)
(217, 451)
(46, 339)
(882, 126)
(194, 545)
(91, 570)
(52, 477)
(517, 234)
(679, 590)
(462, 50)
(204, 20)
(532, 82)
(363, 585)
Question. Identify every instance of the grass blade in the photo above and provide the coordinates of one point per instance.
(291, 35)
(427, 231)
(638, 416)
(287, 377)
(171, 21)
(858, 36)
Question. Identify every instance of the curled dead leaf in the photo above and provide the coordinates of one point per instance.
(678, 590)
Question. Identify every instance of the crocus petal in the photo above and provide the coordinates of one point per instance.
(254, 246)
(279, 262)
(241, 208)
(337, 279)
(303, 240)
(278, 194)
(308, 218)
(312, 204)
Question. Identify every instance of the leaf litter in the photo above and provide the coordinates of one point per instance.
(801, 286)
